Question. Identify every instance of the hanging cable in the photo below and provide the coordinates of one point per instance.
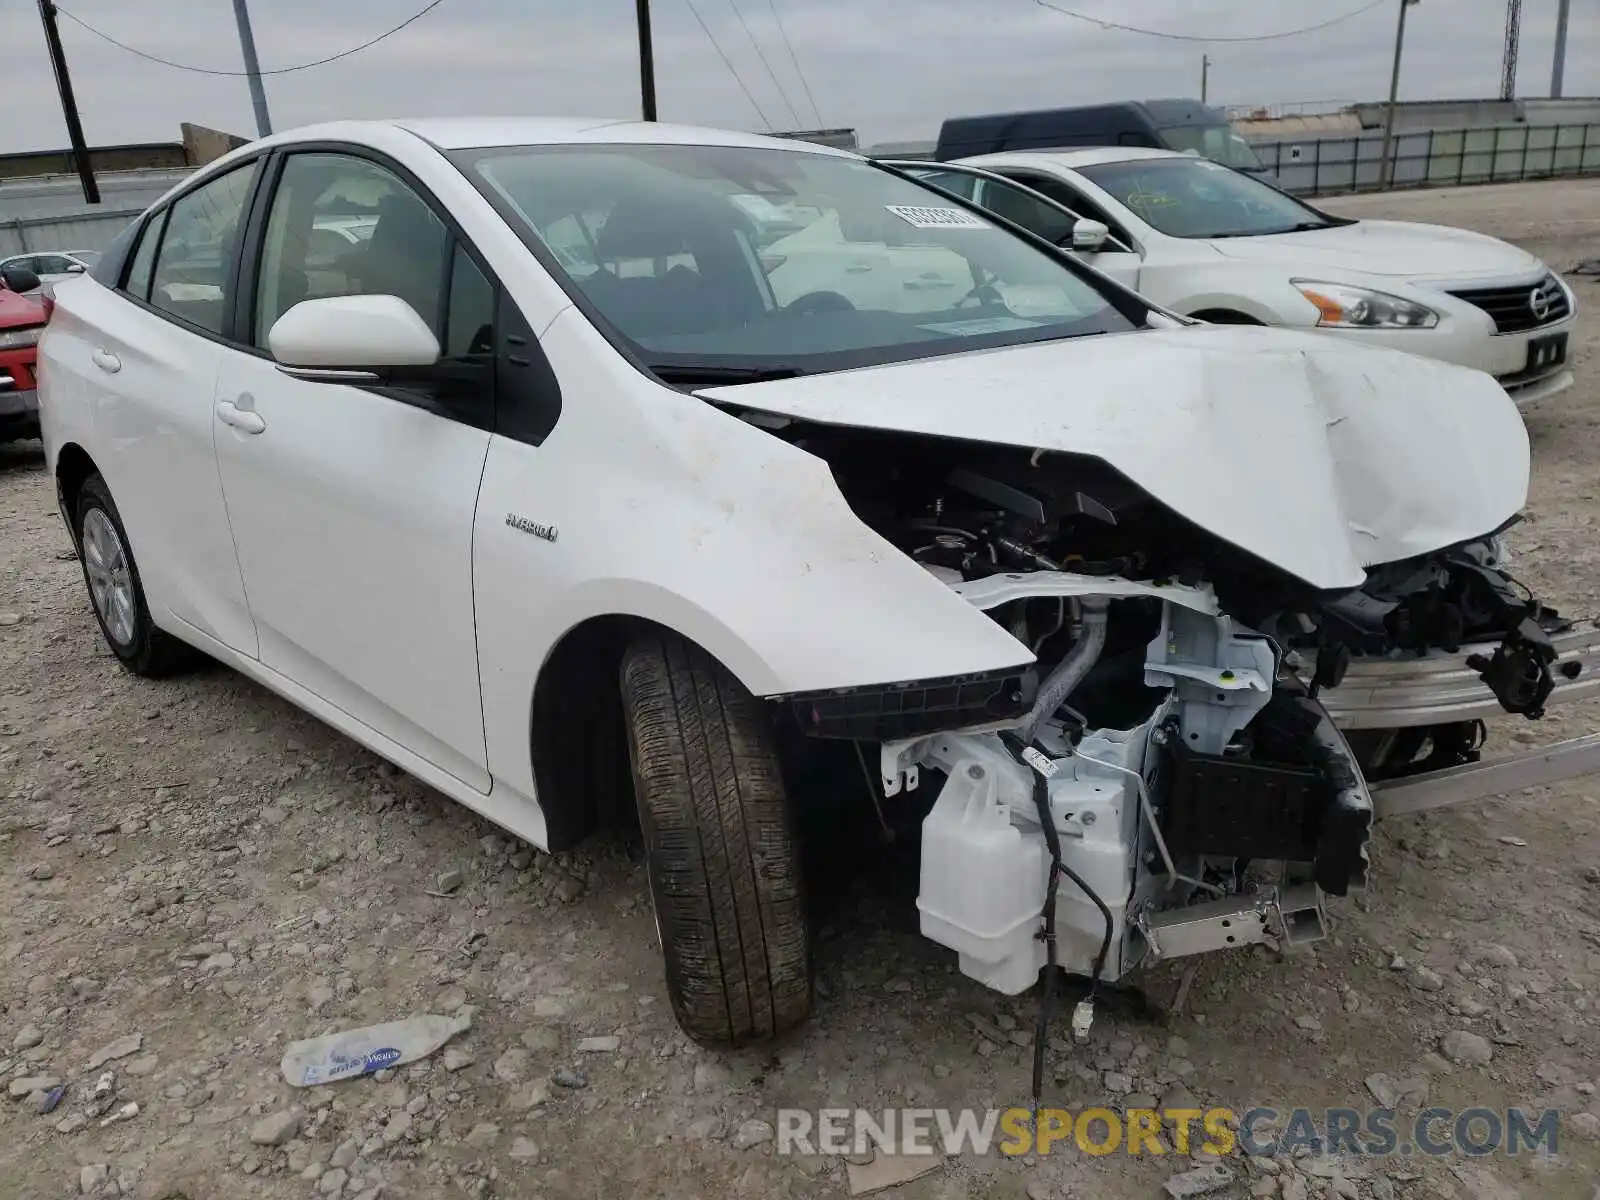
(772, 75)
(1191, 37)
(715, 45)
(789, 46)
(320, 62)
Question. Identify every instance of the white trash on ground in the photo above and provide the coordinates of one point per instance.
(352, 1052)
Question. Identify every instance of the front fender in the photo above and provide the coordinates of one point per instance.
(655, 504)
(1205, 286)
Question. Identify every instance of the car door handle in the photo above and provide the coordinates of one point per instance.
(107, 361)
(241, 419)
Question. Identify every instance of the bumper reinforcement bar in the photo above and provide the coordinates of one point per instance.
(1475, 781)
(1390, 693)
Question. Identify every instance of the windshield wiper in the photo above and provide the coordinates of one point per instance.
(1297, 227)
(693, 373)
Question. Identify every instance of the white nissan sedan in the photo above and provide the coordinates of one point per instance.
(530, 456)
(1214, 243)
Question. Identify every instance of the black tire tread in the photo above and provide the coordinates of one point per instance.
(155, 653)
(724, 863)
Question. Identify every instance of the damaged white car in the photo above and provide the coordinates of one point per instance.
(567, 468)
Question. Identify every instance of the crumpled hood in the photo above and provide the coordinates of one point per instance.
(1387, 248)
(1319, 456)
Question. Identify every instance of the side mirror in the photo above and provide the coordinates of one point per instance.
(1089, 236)
(20, 279)
(351, 339)
(75, 269)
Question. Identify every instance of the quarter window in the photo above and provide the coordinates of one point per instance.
(194, 267)
(469, 320)
(144, 258)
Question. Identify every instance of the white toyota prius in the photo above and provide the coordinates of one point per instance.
(1215, 243)
(533, 457)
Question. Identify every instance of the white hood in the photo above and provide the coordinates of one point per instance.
(1320, 457)
(1388, 248)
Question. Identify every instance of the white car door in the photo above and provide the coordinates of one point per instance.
(352, 507)
(138, 365)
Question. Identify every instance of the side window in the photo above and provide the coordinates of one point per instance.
(195, 259)
(144, 258)
(1069, 196)
(1028, 211)
(346, 226)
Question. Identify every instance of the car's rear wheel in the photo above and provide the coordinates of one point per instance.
(723, 859)
(115, 591)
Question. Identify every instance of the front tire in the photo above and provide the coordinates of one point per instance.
(115, 591)
(720, 846)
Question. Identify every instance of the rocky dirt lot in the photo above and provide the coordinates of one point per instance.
(195, 874)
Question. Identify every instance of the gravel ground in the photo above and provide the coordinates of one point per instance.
(195, 874)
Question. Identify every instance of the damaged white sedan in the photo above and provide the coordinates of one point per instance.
(569, 483)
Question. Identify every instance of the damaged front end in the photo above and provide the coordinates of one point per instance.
(1190, 763)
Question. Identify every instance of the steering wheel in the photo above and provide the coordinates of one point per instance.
(983, 295)
(818, 302)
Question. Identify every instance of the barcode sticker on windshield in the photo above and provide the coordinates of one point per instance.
(937, 218)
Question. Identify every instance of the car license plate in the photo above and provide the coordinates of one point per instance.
(1547, 352)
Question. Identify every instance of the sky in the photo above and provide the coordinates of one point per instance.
(892, 69)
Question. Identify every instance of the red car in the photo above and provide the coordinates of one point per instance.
(22, 320)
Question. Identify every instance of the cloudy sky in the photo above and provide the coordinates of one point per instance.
(891, 68)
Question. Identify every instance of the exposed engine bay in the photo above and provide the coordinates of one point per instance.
(1163, 780)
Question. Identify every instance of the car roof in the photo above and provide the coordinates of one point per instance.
(1087, 156)
(473, 133)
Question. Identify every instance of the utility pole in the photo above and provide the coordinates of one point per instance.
(69, 105)
(1508, 61)
(1205, 75)
(1560, 66)
(1386, 163)
(647, 62)
(247, 43)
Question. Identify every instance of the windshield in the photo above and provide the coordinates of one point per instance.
(1196, 198)
(760, 260)
(1217, 142)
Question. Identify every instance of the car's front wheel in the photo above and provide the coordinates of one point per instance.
(115, 591)
(722, 855)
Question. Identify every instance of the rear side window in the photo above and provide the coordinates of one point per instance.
(144, 258)
(195, 263)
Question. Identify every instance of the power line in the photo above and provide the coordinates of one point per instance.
(772, 75)
(167, 62)
(715, 45)
(1189, 37)
(788, 45)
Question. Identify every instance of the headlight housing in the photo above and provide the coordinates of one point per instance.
(1341, 306)
(17, 339)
